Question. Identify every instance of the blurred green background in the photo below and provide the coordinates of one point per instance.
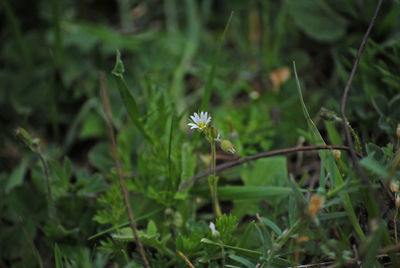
(52, 52)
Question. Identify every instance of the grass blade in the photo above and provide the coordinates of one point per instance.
(246, 192)
(58, 257)
(138, 219)
(326, 158)
(128, 98)
(248, 252)
(242, 261)
(271, 224)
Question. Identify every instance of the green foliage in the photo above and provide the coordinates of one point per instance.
(112, 212)
(61, 199)
(226, 225)
(317, 19)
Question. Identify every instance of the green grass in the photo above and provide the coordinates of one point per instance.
(162, 61)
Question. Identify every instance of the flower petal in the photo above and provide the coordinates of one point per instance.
(193, 126)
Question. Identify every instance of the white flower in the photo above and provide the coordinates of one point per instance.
(218, 138)
(199, 122)
(214, 231)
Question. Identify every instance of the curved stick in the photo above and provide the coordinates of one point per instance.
(345, 123)
(261, 155)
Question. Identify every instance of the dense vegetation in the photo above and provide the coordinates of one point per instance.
(101, 107)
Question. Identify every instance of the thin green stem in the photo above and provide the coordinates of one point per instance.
(394, 220)
(395, 226)
(281, 241)
(222, 253)
(50, 201)
(213, 181)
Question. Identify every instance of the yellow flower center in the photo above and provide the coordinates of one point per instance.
(202, 125)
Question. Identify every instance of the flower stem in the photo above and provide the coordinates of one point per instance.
(50, 200)
(395, 226)
(213, 181)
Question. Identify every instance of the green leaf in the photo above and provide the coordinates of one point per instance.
(100, 157)
(271, 224)
(332, 215)
(138, 219)
(95, 184)
(188, 164)
(328, 162)
(375, 167)
(246, 234)
(316, 19)
(151, 228)
(93, 126)
(128, 98)
(248, 252)
(270, 171)
(150, 238)
(17, 176)
(242, 260)
(371, 246)
(58, 257)
(226, 225)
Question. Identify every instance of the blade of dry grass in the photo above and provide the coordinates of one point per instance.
(107, 111)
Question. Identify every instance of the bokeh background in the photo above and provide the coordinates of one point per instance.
(52, 53)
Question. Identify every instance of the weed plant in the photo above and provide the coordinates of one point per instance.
(199, 133)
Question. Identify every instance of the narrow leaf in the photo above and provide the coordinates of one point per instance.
(246, 192)
(57, 257)
(128, 98)
(242, 261)
(326, 158)
(272, 225)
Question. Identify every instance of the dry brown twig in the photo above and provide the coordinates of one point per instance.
(345, 122)
(258, 156)
(132, 223)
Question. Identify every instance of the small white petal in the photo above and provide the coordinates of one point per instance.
(212, 227)
(193, 126)
(214, 231)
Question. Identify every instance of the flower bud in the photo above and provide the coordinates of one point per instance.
(227, 146)
(32, 143)
(329, 115)
(394, 186)
(397, 202)
(336, 154)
